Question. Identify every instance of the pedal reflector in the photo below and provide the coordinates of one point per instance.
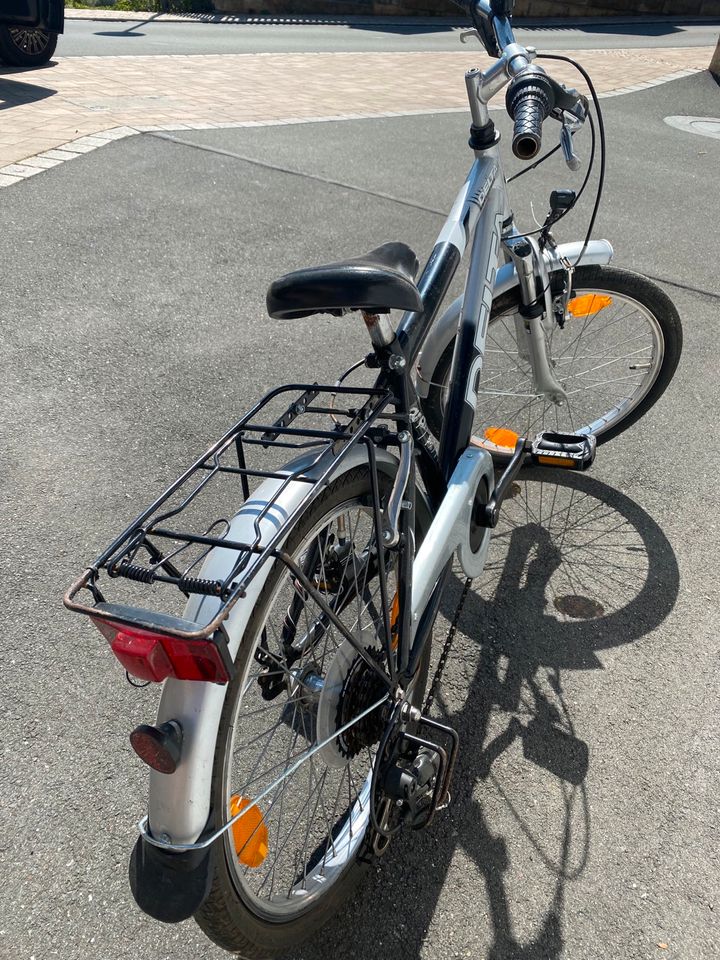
(588, 303)
(502, 437)
(556, 461)
(249, 833)
(572, 451)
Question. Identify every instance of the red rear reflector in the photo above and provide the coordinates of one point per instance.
(142, 655)
(158, 747)
(157, 656)
(196, 660)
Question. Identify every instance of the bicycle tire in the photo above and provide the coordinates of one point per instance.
(632, 288)
(229, 916)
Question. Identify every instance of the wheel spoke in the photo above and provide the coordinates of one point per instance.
(314, 795)
(607, 339)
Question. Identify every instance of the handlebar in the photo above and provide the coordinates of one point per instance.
(530, 100)
(532, 95)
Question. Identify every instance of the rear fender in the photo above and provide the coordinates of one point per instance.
(179, 803)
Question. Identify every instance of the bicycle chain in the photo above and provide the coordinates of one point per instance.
(430, 699)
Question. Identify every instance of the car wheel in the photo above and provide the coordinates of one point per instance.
(26, 46)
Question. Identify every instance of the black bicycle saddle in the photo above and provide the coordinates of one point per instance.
(379, 281)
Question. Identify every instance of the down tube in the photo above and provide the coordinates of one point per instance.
(472, 330)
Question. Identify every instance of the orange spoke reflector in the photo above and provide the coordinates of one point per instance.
(394, 614)
(588, 303)
(249, 832)
(502, 437)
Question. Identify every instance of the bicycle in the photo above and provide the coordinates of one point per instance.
(294, 738)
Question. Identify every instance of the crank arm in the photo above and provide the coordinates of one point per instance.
(491, 513)
(565, 450)
(572, 451)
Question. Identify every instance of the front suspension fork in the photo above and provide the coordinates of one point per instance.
(536, 319)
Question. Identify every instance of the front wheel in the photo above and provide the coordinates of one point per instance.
(614, 358)
(285, 867)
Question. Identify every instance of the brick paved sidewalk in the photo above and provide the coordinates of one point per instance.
(81, 97)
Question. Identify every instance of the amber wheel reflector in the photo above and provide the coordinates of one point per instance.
(249, 832)
(588, 303)
(502, 437)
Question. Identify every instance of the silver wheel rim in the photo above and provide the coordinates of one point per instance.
(587, 364)
(303, 862)
(30, 41)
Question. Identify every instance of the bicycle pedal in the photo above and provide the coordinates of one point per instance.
(571, 451)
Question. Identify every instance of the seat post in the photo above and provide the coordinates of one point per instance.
(379, 328)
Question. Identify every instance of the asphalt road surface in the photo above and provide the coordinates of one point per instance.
(585, 805)
(100, 38)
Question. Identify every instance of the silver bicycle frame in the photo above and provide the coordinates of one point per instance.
(480, 219)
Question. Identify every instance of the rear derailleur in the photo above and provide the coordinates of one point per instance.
(413, 774)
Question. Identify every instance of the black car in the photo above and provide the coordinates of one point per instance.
(29, 30)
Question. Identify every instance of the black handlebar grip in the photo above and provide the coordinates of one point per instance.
(530, 99)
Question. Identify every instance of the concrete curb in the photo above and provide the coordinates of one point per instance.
(715, 62)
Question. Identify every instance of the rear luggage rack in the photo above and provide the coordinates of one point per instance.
(165, 546)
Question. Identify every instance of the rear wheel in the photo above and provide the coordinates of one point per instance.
(615, 356)
(26, 46)
(285, 868)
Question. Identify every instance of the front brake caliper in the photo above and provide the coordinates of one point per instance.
(562, 295)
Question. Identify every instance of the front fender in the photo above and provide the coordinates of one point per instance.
(445, 328)
(179, 803)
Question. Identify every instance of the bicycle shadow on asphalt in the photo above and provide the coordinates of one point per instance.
(14, 93)
(576, 567)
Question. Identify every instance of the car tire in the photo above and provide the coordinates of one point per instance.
(26, 46)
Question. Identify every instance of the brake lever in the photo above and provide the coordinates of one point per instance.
(568, 148)
(572, 120)
(469, 34)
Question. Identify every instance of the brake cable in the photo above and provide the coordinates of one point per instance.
(601, 131)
